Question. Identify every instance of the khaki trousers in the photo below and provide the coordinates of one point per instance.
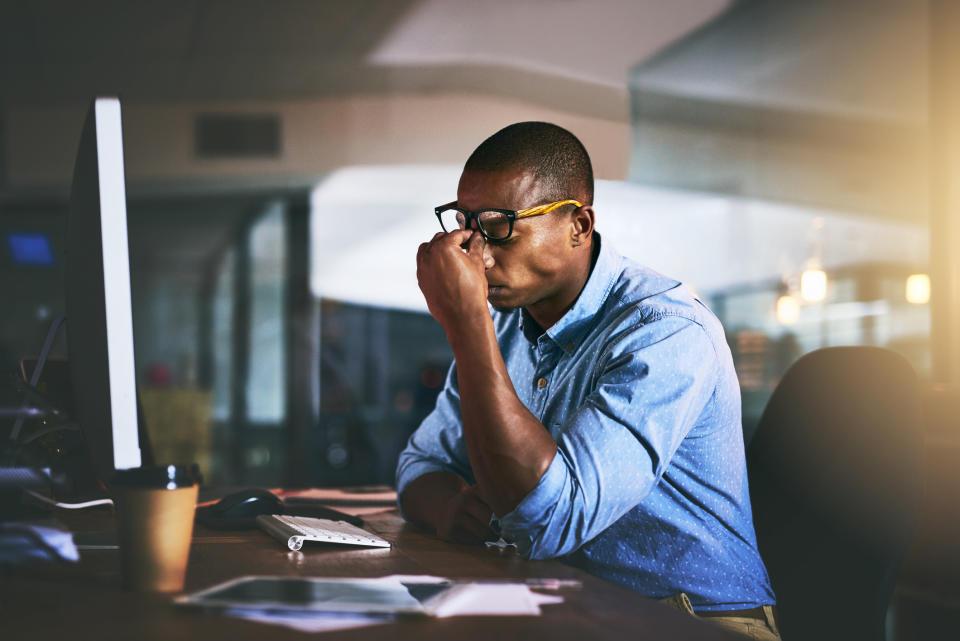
(748, 627)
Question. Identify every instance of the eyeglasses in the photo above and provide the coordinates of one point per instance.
(493, 224)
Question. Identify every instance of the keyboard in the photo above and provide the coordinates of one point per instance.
(292, 531)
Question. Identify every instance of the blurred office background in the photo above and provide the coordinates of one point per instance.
(796, 163)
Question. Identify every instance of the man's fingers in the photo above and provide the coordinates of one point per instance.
(425, 247)
(477, 530)
(477, 508)
(459, 237)
(481, 516)
(469, 518)
(475, 245)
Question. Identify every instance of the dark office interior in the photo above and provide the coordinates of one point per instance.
(283, 158)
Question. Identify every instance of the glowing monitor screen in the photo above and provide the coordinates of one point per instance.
(99, 315)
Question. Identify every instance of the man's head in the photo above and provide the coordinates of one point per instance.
(544, 264)
(555, 157)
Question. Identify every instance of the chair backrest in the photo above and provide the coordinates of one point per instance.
(836, 482)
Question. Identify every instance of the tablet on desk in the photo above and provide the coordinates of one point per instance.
(382, 596)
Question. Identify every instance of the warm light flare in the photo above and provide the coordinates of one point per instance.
(813, 285)
(918, 289)
(788, 310)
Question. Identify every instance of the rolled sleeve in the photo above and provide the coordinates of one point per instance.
(537, 507)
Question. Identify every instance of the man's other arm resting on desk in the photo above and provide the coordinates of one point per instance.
(443, 502)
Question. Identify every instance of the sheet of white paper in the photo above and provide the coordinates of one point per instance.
(491, 599)
(473, 599)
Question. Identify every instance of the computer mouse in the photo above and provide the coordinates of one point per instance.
(252, 502)
(239, 511)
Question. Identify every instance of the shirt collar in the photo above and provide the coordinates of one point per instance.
(579, 318)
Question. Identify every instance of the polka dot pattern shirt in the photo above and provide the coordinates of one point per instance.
(648, 487)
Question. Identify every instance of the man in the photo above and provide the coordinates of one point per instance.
(596, 415)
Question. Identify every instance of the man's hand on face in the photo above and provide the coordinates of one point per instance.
(453, 281)
(465, 518)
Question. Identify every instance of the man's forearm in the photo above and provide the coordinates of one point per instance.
(509, 448)
(421, 498)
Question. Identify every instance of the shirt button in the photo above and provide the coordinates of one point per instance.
(569, 346)
(542, 383)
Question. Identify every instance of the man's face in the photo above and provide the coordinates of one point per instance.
(533, 267)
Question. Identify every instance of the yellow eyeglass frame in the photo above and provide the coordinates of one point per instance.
(546, 209)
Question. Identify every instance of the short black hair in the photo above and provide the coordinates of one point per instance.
(554, 155)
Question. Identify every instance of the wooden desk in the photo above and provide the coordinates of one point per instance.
(85, 601)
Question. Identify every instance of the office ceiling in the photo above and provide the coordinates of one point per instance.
(182, 50)
(568, 54)
(821, 102)
(840, 58)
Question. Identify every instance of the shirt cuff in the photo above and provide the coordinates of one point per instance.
(526, 523)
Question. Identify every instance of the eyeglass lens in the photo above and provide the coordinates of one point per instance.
(494, 224)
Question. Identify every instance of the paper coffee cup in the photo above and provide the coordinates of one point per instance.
(155, 511)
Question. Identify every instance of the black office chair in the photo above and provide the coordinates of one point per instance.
(836, 481)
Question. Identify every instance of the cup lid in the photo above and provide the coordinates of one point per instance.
(170, 477)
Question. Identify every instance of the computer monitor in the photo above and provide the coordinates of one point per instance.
(98, 302)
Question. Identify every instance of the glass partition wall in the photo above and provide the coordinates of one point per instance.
(809, 123)
(276, 346)
(209, 282)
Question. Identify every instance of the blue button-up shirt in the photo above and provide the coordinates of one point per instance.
(649, 486)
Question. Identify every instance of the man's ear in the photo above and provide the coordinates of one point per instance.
(581, 225)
